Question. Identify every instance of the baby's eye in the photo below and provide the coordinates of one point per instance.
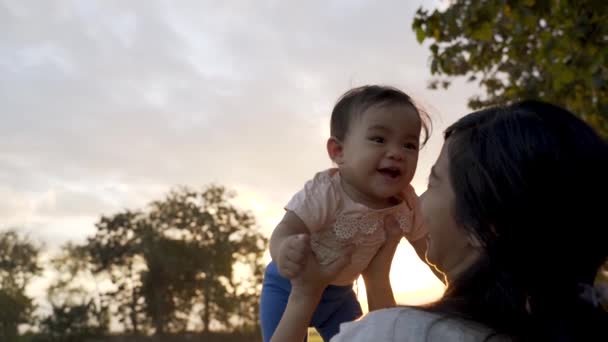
(410, 146)
(378, 140)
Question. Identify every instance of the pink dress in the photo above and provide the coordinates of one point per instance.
(336, 221)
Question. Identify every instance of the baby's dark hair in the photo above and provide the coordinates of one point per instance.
(357, 100)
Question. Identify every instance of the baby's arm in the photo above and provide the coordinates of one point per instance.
(418, 238)
(376, 275)
(418, 232)
(420, 246)
(289, 259)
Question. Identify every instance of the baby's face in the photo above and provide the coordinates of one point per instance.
(380, 152)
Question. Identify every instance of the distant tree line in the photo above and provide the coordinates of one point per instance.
(191, 262)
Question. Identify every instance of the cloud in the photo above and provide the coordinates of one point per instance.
(107, 104)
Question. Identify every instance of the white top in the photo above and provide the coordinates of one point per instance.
(406, 324)
(336, 221)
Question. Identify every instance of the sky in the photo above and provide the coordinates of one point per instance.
(107, 105)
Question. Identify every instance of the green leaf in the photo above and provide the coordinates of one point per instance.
(434, 66)
(420, 35)
(483, 33)
(598, 81)
(434, 48)
(562, 79)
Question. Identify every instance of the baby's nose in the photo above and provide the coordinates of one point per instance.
(396, 153)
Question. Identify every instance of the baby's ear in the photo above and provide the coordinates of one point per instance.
(335, 150)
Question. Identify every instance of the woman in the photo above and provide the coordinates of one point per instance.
(517, 223)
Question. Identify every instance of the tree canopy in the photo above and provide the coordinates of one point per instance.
(553, 50)
(175, 260)
(18, 265)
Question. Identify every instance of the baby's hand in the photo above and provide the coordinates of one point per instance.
(292, 256)
(392, 229)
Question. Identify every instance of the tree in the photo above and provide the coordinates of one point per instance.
(77, 312)
(74, 322)
(218, 236)
(116, 250)
(176, 258)
(553, 50)
(18, 264)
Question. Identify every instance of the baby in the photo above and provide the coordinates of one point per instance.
(375, 139)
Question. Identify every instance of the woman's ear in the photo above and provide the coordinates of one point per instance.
(335, 150)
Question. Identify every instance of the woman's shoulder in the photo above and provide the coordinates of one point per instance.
(409, 324)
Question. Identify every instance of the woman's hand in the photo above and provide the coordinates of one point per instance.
(306, 290)
(314, 277)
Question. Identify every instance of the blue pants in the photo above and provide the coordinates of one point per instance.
(338, 304)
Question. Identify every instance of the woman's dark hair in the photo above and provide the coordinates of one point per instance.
(356, 101)
(530, 182)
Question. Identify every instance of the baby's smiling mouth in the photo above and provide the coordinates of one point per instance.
(392, 172)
